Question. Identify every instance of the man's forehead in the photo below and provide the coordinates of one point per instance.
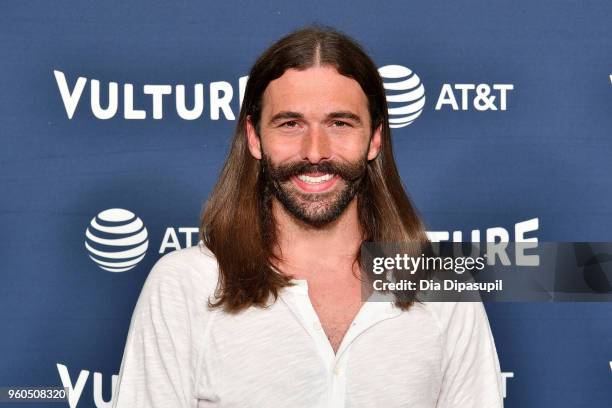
(320, 89)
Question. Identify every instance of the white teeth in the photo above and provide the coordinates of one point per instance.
(315, 180)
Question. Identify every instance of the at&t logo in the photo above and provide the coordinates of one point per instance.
(405, 94)
(116, 240)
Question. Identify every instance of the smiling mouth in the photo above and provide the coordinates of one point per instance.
(315, 183)
(315, 180)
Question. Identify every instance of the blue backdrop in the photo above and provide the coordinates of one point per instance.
(534, 155)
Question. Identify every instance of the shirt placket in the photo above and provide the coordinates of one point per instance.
(335, 363)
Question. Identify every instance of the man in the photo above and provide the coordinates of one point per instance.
(266, 311)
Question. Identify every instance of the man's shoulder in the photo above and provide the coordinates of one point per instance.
(446, 314)
(194, 268)
(198, 255)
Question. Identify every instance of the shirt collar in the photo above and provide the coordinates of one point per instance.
(382, 307)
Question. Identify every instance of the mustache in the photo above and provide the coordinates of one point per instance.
(348, 171)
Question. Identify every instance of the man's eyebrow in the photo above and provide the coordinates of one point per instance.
(344, 115)
(285, 115)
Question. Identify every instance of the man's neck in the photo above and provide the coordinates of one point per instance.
(307, 251)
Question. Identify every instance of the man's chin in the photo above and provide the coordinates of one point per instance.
(316, 220)
(318, 213)
(314, 209)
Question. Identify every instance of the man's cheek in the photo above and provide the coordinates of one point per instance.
(283, 151)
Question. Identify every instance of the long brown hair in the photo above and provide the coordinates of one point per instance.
(236, 222)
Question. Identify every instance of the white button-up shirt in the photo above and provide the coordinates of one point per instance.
(180, 354)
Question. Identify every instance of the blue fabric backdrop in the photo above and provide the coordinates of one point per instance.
(546, 157)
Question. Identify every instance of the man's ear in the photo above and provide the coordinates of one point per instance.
(253, 139)
(375, 142)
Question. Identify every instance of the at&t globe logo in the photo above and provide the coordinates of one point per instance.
(405, 94)
(116, 240)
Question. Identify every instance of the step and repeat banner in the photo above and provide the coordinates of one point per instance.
(121, 113)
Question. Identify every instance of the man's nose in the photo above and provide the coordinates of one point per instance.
(316, 145)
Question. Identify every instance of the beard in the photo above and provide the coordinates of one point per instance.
(314, 209)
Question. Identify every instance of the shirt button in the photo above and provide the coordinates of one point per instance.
(316, 325)
(336, 370)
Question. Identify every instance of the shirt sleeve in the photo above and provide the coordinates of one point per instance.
(160, 356)
(471, 376)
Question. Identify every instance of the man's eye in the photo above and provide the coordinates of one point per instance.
(339, 123)
(290, 124)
